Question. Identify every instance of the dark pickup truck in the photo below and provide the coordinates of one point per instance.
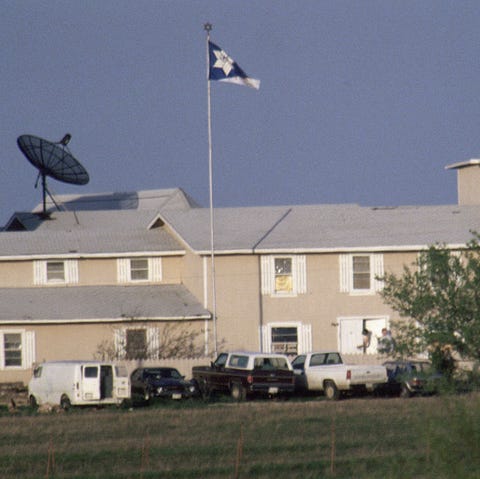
(246, 374)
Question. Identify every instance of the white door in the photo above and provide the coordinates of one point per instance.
(351, 338)
(90, 383)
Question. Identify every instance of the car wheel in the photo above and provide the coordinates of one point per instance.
(33, 402)
(238, 392)
(405, 392)
(65, 403)
(205, 391)
(331, 391)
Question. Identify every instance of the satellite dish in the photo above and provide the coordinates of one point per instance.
(54, 160)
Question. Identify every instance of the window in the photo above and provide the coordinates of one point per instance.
(139, 269)
(238, 361)
(132, 270)
(284, 275)
(286, 338)
(359, 273)
(136, 346)
(17, 349)
(137, 343)
(91, 372)
(12, 347)
(55, 272)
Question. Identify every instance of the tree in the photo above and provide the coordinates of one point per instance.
(438, 299)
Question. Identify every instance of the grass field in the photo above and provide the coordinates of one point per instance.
(436, 437)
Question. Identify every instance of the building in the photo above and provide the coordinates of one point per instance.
(127, 274)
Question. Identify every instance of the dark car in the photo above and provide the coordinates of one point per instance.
(159, 382)
(410, 378)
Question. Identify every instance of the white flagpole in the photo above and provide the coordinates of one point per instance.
(208, 28)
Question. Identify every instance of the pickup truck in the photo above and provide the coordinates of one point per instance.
(242, 374)
(325, 372)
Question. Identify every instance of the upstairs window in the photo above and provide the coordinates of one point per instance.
(139, 269)
(359, 272)
(55, 272)
(132, 270)
(284, 275)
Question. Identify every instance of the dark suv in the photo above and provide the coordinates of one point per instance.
(159, 382)
(410, 378)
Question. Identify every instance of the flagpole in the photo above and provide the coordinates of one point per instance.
(208, 28)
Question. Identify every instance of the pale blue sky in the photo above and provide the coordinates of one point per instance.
(361, 101)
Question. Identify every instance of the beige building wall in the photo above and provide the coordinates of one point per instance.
(242, 309)
(238, 301)
(468, 181)
(102, 271)
(16, 274)
(54, 342)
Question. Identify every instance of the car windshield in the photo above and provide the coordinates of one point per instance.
(162, 373)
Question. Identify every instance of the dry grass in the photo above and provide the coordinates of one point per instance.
(355, 438)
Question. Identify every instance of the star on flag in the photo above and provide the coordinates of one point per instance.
(223, 68)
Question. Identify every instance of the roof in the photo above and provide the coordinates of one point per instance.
(133, 200)
(463, 164)
(325, 228)
(89, 233)
(98, 303)
(167, 222)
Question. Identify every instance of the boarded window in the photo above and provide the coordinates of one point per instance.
(283, 275)
(136, 344)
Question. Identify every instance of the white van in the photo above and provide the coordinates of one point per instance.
(78, 383)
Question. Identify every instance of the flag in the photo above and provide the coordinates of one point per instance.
(223, 68)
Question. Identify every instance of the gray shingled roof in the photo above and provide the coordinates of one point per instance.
(325, 227)
(300, 228)
(103, 303)
(89, 232)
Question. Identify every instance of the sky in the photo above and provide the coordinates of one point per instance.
(360, 101)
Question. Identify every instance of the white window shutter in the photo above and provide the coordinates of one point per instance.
(266, 339)
(301, 274)
(120, 339)
(305, 339)
(378, 271)
(345, 264)
(152, 343)
(28, 351)
(123, 270)
(71, 271)
(155, 269)
(39, 272)
(267, 274)
(2, 353)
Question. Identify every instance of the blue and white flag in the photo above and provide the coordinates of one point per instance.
(223, 68)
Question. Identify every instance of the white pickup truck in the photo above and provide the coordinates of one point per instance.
(325, 371)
